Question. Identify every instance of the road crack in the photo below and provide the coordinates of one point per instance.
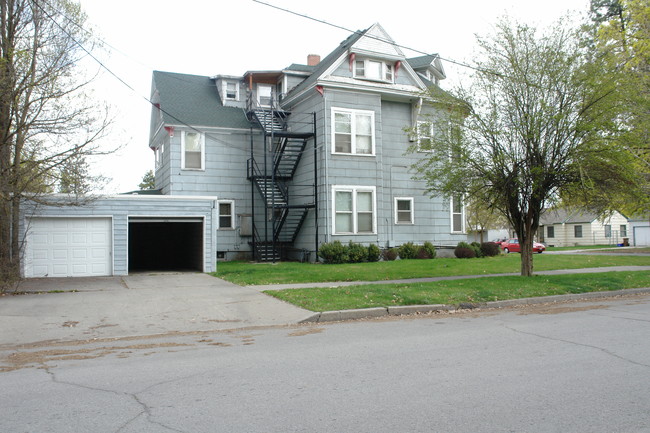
(575, 343)
(145, 409)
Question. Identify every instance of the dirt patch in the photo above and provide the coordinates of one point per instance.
(18, 360)
(306, 331)
(546, 309)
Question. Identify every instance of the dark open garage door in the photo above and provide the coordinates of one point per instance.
(165, 244)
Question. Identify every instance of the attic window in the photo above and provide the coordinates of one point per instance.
(375, 70)
(231, 90)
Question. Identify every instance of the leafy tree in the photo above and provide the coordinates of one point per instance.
(46, 119)
(148, 181)
(530, 127)
(481, 218)
(621, 36)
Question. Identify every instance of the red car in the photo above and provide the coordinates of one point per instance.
(512, 246)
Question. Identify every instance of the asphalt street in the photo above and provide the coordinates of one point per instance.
(560, 367)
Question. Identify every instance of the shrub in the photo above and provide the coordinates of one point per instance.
(357, 253)
(390, 254)
(477, 249)
(408, 251)
(333, 252)
(490, 249)
(464, 253)
(374, 253)
(422, 254)
(429, 248)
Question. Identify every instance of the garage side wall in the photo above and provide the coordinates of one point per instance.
(120, 208)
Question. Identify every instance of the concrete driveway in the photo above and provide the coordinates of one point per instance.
(135, 305)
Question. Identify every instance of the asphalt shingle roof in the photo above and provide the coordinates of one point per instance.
(194, 100)
(422, 61)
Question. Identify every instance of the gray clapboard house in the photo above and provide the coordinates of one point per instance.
(307, 154)
(268, 165)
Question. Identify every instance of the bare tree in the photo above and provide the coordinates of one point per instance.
(46, 117)
(533, 124)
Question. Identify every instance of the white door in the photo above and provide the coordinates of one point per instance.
(68, 247)
(641, 235)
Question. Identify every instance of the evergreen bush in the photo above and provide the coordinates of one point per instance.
(408, 251)
(374, 253)
(333, 252)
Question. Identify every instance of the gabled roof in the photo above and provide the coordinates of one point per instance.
(421, 62)
(327, 62)
(194, 100)
(566, 216)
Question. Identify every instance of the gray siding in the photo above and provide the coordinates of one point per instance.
(120, 208)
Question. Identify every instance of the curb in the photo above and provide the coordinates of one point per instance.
(366, 313)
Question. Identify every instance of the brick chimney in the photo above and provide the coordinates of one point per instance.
(313, 59)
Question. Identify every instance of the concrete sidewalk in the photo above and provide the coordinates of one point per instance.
(264, 287)
(136, 305)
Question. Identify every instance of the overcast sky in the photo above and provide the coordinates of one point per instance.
(231, 37)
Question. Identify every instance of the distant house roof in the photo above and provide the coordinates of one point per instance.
(194, 100)
(566, 216)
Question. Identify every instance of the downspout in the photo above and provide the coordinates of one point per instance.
(326, 144)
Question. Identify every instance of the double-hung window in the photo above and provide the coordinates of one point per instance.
(457, 215)
(623, 231)
(424, 136)
(577, 231)
(192, 150)
(353, 132)
(226, 215)
(608, 230)
(231, 89)
(375, 70)
(354, 209)
(404, 210)
(550, 232)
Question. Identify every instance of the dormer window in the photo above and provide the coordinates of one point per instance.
(376, 70)
(231, 90)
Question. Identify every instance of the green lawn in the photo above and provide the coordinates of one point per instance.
(246, 273)
(456, 291)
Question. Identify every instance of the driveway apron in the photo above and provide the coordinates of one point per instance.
(135, 305)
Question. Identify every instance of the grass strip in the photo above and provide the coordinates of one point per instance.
(454, 292)
(245, 273)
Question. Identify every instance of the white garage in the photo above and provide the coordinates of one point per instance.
(69, 247)
(641, 235)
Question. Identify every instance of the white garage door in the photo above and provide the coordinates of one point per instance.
(641, 235)
(68, 247)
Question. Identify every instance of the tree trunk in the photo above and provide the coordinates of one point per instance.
(526, 246)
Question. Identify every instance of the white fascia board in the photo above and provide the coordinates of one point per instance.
(371, 87)
(376, 55)
(212, 129)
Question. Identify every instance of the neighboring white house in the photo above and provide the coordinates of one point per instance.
(567, 227)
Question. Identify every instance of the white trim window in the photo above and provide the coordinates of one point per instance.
(354, 210)
(404, 210)
(353, 132)
(265, 95)
(372, 69)
(226, 214)
(192, 150)
(231, 90)
(424, 131)
(457, 214)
